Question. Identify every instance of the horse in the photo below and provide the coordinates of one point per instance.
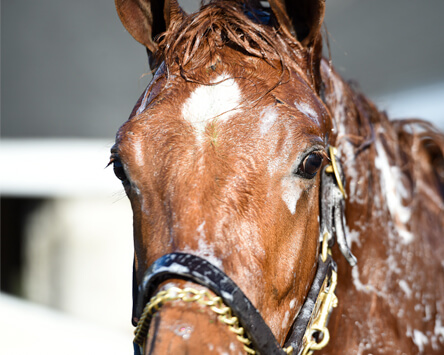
(270, 196)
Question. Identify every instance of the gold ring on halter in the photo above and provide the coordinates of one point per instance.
(333, 168)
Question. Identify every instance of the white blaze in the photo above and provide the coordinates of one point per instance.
(209, 102)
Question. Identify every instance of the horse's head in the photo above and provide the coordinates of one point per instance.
(220, 157)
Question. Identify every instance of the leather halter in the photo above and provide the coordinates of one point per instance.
(302, 337)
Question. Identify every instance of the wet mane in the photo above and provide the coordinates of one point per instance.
(197, 41)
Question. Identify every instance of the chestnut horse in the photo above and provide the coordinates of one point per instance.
(226, 161)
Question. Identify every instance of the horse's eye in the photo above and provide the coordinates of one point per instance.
(119, 171)
(310, 165)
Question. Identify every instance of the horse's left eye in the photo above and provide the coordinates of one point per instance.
(119, 170)
(310, 165)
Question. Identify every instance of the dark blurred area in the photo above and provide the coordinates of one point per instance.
(15, 212)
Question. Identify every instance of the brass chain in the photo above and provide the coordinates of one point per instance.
(327, 302)
(202, 297)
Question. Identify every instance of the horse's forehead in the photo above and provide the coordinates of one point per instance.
(229, 98)
(217, 103)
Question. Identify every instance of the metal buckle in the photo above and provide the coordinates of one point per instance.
(327, 300)
(333, 168)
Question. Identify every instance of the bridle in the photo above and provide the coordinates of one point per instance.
(309, 331)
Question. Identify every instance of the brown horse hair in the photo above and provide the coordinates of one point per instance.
(196, 41)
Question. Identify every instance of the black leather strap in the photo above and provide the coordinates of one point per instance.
(196, 269)
(332, 213)
(135, 294)
(300, 325)
(137, 349)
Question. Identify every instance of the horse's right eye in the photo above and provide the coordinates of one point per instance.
(119, 171)
(310, 165)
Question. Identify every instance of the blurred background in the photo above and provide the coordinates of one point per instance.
(70, 75)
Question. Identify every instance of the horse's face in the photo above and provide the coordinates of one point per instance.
(225, 167)
(208, 174)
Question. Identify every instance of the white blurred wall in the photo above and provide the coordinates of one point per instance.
(78, 249)
(27, 328)
(78, 254)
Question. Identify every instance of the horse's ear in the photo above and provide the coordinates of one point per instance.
(300, 18)
(146, 19)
